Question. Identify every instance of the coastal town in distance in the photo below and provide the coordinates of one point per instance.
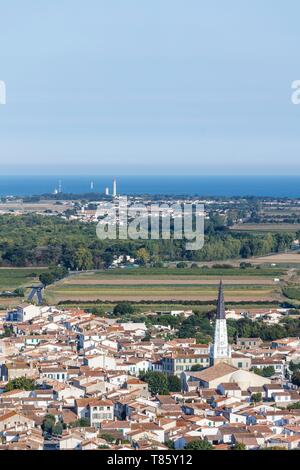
(140, 344)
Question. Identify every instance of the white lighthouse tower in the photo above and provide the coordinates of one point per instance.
(114, 191)
(220, 349)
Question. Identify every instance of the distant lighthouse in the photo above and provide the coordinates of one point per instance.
(220, 350)
(114, 192)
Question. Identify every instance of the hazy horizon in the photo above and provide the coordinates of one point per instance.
(154, 175)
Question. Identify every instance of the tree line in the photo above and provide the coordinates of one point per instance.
(35, 240)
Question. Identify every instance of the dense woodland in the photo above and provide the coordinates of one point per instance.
(35, 240)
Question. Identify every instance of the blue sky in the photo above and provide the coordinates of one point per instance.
(160, 86)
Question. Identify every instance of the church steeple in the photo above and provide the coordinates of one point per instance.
(220, 349)
(220, 305)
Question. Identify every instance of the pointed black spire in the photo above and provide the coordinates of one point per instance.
(220, 305)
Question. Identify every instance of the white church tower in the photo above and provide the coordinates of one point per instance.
(220, 350)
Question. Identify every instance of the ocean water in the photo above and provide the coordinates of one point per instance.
(274, 186)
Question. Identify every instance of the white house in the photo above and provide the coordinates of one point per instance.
(24, 312)
(100, 360)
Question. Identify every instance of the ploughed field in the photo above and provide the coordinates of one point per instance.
(280, 258)
(265, 227)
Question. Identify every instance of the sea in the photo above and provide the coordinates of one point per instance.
(193, 185)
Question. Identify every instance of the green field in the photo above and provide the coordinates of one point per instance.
(11, 278)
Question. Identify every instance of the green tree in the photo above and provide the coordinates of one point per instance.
(20, 383)
(239, 446)
(83, 259)
(294, 406)
(147, 337)
(294, 366)
(8, 331)
(108, 258)
(108, 437)
(48, 424)
(123, 308)
(46, 278)
(196, 367)
(57, 429)
(195, 324)
(158, 382)
(267, 371)
(174, 383)
(142, 256)
(80, 423)
(296, 378)
(19, 291)
(199, 445)
(53, 274)
(181, 265)
(170, 445)
(256, 397)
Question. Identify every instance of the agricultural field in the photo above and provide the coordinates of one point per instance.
(261, 227)
(290, 259)
(11, 278)
(158, 285)
(179, 285)
(204, 272)
(36, 207)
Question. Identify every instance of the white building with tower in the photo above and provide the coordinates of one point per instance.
(220, 349)
(222, 373)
